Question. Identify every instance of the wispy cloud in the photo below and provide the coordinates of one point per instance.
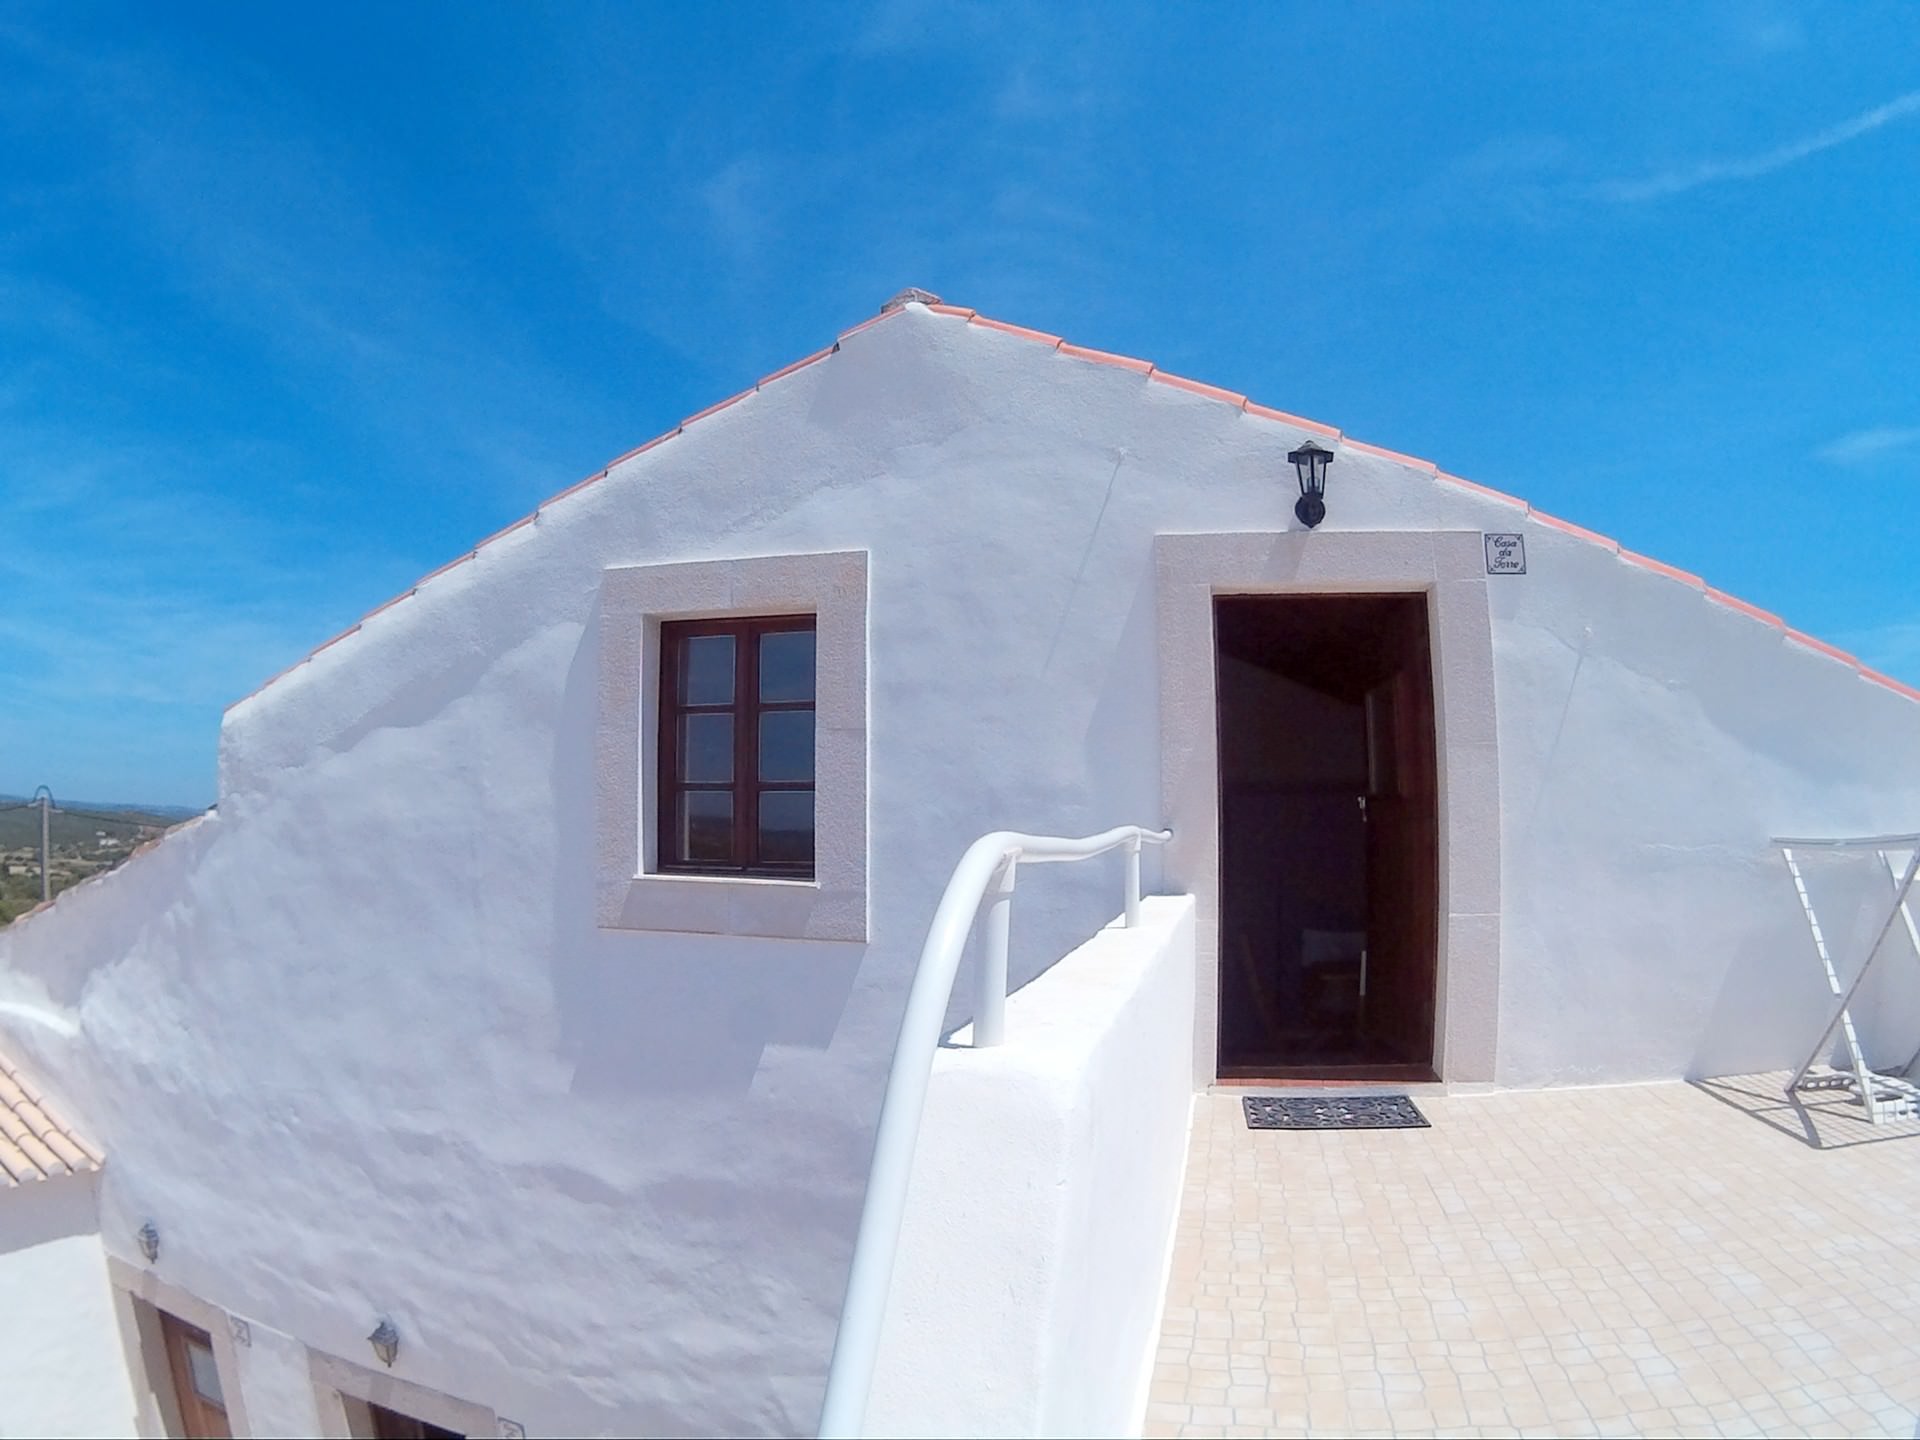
(1862, 447)
(1680, 179)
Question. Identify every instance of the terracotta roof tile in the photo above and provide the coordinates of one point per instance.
(1579, 532)
(786, 370)
(34, 1145)
(1146, 367)
(1299, 422)
(1647, 562)
(1487, 490)
(715, 408)
(1800, 637)
(1394, 455)
(1107, 357)
(1200, 387)
(986, 322)
(1890, 683)
(1734, 602)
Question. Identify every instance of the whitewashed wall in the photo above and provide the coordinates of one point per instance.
(358, 1046)
(62, 1367)
(1027, 1291)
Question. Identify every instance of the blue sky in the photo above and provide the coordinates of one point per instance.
(297, 304)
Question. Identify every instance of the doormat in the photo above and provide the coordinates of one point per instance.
(1332, 1112)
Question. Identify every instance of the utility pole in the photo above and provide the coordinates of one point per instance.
(43, 797)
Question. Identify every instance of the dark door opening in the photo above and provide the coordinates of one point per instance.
(1329, 837)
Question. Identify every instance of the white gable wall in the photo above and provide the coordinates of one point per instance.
(359, 1047)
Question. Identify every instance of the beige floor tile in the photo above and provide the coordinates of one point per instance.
(1645, 1260)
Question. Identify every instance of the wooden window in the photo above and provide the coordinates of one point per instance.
(196, 1379)
(736, 747)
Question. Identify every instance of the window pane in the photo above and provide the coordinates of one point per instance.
(786, 745)
(706, 749)
(786, 665)
(706, 825)
(706, 670)
(206, 1379)
(786, 826)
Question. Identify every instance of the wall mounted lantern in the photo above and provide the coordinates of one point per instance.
(149, 1237)
(385, 1341)
(1310, 463)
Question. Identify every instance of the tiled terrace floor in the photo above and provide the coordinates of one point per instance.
(1662, 1259)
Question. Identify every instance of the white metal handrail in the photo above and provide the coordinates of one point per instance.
(986, 869)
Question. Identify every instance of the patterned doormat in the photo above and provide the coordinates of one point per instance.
(1332, 1112)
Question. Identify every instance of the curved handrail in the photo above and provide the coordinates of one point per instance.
(988, 865)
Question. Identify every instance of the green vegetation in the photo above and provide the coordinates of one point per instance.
(86, 841)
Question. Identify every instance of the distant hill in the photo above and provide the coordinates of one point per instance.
(86, 840)
(71, 824)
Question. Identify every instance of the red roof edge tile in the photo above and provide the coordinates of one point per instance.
(1200, 387)
(1486, 490)
(1800, 637)
(436, 574)
(328, 645)
(1647, 562)
(1394, 455)
(502, 531)
(1052, 342)
(1299, 422)
(715, 408)
(960, 310)
(1579, 532)
(1107, 357)
(786, 370)
(1889, 683)
(1734, 602)
(389, 604)
(875, 320)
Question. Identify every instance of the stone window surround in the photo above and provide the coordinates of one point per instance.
(1449, 567)
(342, 1391)
(138, 1297)
(630, 893)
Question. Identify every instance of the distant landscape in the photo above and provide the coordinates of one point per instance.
(87, 838)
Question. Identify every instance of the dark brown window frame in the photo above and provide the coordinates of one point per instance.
(746, 709)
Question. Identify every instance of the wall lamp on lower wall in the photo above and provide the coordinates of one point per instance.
(1310, 463)
(385, 1341)
(149, 1237)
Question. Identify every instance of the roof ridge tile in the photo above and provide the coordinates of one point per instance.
(1107, 357)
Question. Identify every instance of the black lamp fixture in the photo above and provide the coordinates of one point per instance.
(1310, 463)
(149, 1237)
(385, 1341)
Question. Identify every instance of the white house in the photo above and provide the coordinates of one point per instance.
(533, 986)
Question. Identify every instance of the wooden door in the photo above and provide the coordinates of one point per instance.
(1403, 837)
(392, 1425)
(196, 1379)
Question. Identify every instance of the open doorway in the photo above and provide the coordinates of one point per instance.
(1329, 850)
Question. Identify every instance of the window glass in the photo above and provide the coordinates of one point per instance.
(206, 1377)
(706, 825)
(706, 749)
(786, 826)
(786, 745)
(706, 670)
(786, 666)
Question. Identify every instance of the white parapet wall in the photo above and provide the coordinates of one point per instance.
(1026, 1295)
(63, 1367)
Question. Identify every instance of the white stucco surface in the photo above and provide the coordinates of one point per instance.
(358, 1045)
(1026, 1293)
(62, 1371)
